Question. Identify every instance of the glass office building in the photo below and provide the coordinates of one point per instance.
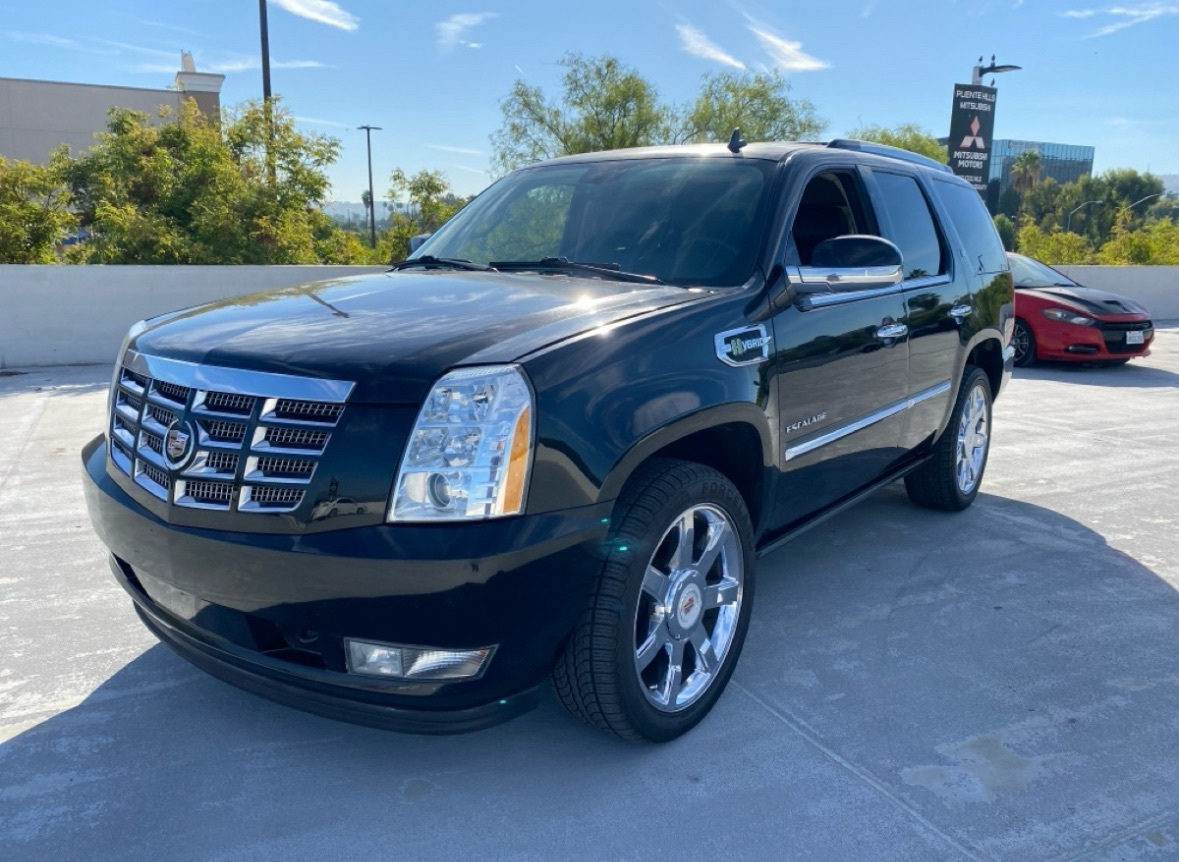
(1065, 163)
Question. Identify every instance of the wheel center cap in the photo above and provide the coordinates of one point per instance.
(689, 606)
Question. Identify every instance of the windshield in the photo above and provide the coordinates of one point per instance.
(692, 221)
(1031, 273)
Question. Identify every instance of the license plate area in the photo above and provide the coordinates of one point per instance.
(1135, 337)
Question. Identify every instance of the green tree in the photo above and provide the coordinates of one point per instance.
(1025, 171)
(34, 214)
(1006, 228)
(429, 202)
(604, 105)
(907, 136)
(1054, 247)
(759, 104)
(198, 190)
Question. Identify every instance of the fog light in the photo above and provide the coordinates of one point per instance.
(415, 663)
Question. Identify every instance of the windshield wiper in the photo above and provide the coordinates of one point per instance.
(606, 270)
(452, 262)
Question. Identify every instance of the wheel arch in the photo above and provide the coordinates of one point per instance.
(733, 439)
(986, 352)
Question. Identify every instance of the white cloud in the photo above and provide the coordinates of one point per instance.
(243, 64)
(315, 121)
(453, 31)
(867, 10)
(1122, 17)
(786, 55)
(463, 151)
(696, 43)
(323, 11)
(469, 170)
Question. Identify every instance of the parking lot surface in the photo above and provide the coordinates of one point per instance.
(999, 684)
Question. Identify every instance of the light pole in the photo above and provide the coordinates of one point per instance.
(1069, 221)
(976, 77)
(1148, 197)
(264, 30)
(372, 201)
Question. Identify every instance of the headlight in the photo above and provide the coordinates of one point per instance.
(1063, 314)
(468, 455)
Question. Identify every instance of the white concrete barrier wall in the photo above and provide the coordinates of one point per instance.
(69, 315)
(1156, 287)
(73, 315)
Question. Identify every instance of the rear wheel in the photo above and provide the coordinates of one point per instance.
(1024, 343)
(660, 636)
(950, 479)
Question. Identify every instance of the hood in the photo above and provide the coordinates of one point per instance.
(394, 334)
(1088, 299)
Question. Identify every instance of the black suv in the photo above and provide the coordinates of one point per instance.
(553, 442)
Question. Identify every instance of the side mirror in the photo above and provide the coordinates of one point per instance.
(415, 242)
(847, 264)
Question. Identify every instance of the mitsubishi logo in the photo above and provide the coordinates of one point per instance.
(973, 139)
(178, 444)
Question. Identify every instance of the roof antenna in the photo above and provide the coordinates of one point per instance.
(735, 142)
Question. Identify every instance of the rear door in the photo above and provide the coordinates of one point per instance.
(937, 298)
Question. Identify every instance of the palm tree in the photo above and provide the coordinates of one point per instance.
(1025, 171)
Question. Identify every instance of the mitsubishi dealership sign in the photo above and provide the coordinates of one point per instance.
(971, 122)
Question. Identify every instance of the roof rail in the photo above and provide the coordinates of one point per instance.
(887, 151)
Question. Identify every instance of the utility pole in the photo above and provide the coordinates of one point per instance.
(264, 28)
(372, 201)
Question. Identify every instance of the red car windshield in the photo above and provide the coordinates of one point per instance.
(1031, 273)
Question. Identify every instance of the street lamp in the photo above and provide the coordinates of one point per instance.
(1148, 197)
(1069, 221)
(372, 201)
(264, 28)
(977, 75)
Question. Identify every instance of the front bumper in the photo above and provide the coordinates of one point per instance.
(268, 612)
(1100, 343)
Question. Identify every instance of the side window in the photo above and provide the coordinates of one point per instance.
(911, 225)
(832, 205)
(975, 227)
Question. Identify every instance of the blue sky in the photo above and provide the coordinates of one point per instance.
(432, 74)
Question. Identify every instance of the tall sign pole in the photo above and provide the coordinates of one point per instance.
(264, 29)
(972, 126)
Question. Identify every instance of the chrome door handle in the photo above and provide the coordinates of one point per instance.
(960, 311)
(891, 330)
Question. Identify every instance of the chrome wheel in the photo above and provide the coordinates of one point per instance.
(689, 605)
(973, 438)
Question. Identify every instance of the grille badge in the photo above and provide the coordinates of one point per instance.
(178, 444)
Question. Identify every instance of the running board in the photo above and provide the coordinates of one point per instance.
(835, 508)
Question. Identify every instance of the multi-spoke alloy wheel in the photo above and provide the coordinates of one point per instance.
(688, 608)
(973, 437)
(950, 477)
(1024, 344)
(659, 638)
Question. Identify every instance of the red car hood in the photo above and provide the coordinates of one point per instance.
(1090, 300)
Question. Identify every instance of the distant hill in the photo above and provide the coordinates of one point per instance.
(342, 211)
(1170, 182)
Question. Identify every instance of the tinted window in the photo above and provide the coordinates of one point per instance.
(975, 227)
(911, 225)
(1031, 273)
(685, 221)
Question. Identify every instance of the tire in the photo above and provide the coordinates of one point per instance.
(949, 480)
(654, 604)
(1024, 342)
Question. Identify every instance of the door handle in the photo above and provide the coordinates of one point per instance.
(891, 330)
(960, 311)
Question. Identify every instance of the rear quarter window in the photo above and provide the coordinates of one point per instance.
(976, 229)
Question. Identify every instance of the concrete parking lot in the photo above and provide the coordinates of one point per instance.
(1000, 684)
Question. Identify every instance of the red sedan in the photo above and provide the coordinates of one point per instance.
(1056, 318)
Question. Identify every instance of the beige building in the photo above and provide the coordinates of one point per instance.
(38, 116)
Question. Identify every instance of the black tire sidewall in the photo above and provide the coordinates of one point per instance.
(1029, 356)
(712, 489)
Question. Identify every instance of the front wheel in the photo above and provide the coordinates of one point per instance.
(950, 479)
(660, 636)
(1024, 342)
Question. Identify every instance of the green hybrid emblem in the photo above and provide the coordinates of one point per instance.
(743, 346)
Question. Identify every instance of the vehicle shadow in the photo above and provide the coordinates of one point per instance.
(1136, 373)
(162, 761)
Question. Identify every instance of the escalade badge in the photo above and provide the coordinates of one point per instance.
(747, 346)
(178, 444)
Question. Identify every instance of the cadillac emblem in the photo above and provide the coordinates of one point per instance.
(178, 444)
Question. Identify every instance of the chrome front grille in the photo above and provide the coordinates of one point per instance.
(256, 438)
